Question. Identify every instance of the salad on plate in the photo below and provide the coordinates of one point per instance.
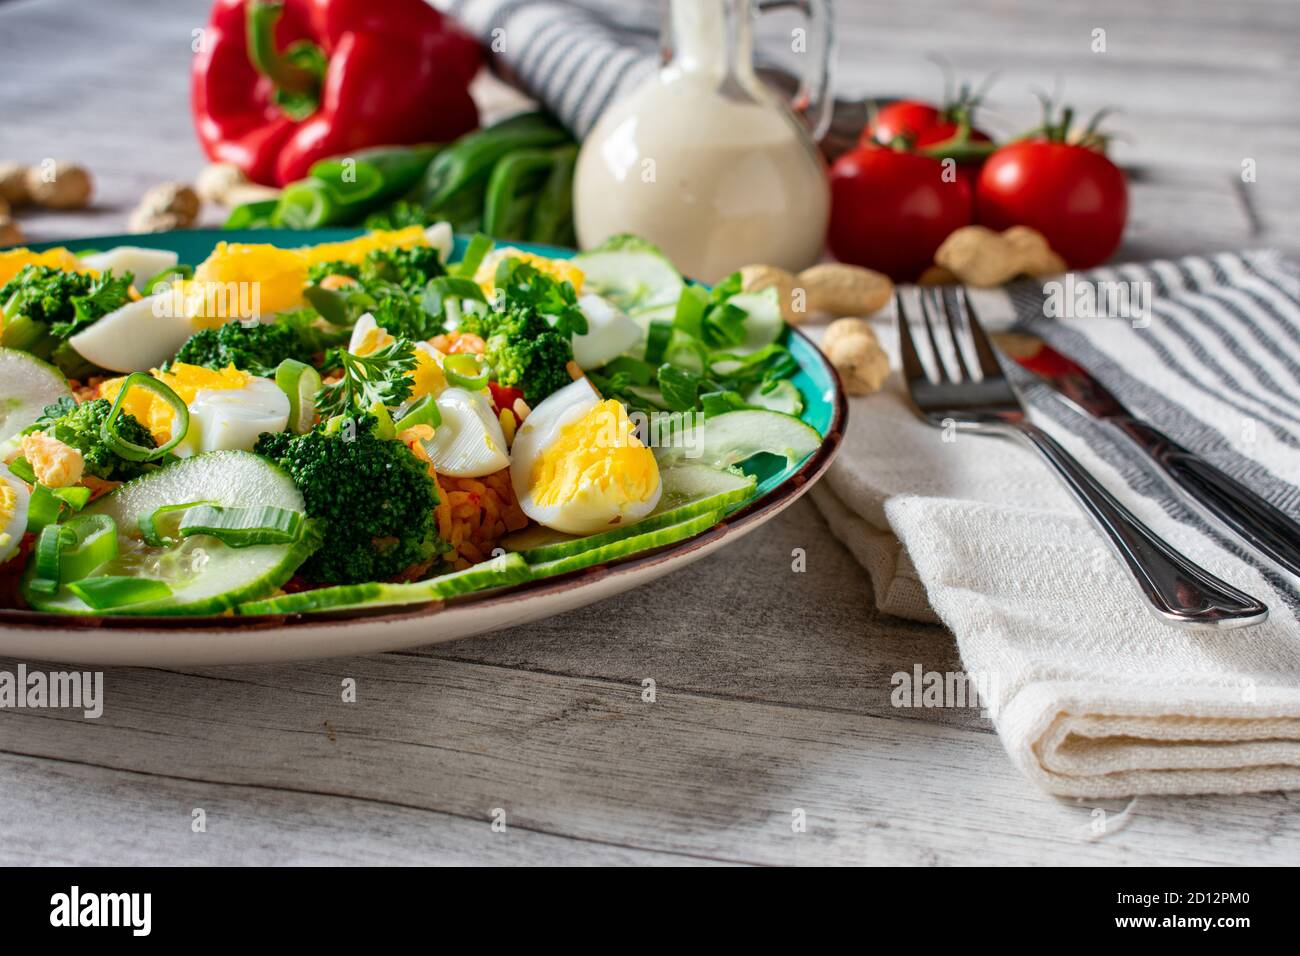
(369, 422)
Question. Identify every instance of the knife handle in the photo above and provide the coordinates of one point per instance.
(1176, 588)
(1260, 524)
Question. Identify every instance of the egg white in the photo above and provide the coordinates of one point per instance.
(233, 418)
(142, 263)
(609, 333)
(468, 443)
(137, 337)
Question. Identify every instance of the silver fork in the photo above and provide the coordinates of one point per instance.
(1177, 590)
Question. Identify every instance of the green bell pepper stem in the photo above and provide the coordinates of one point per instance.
(289, 70)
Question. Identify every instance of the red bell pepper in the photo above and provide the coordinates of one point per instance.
(277, 86)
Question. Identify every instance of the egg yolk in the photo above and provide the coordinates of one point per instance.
(185, 380)
(13, 260)
(557, 269)
(239, 279)
(8, 505)
(355, 250)
(596, 455)
(242, 279)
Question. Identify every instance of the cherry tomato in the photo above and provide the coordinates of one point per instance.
(890, 210)
(906, 118)
(504, 396)
(920, 123)
(1073, 195)
(925, 128)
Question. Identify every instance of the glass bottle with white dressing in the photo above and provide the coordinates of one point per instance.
(704, 160)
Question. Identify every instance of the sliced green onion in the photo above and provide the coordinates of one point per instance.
(43, 508)
(332, 304)
(45, 573)
(658, 335)
(349, 184)
(465, 371)
(300, 382)
(21, 331)
(383, 420)
(110, 591)
(88, 542)
(148, 523)
(130, 450)
(638, 372)
(306, 204)
(243, 527)
(74, 496)
(478, 248)
(20, 467)
(169, 275)
(252, 215)
(423, 411)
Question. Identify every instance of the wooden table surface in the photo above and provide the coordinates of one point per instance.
(772, 687)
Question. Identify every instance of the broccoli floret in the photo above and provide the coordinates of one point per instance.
(337, 267)
(409, 268)
(387, 286)
(78, 426)
(43, 307)
(523, 350)
(253, 348)
(374, 499)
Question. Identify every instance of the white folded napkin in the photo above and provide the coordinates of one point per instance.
(1091, 694)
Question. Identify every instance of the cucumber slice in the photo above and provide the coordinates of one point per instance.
(763, 325)
(632, 273)
(206, 576)
(686, 482)
(633, 544)
(500, 571)
(785, 398)
(27, 385)
(537, 536)
(732, 437)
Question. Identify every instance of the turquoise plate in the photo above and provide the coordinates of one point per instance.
(302, 636)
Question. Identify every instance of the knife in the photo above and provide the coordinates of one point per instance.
(1264, 527)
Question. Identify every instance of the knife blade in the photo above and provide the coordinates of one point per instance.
(1261, 525)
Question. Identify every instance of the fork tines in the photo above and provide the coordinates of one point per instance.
(959, 325)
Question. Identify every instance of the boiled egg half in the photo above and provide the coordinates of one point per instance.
(14, 497)
(577, 466)
(468, 442)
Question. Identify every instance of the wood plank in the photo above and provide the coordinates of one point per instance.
(58, 813)
(590, 760)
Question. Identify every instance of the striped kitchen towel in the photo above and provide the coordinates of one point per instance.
(574, 59)
(1092, 696)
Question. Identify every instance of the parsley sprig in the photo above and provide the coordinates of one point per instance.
(378, 378)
